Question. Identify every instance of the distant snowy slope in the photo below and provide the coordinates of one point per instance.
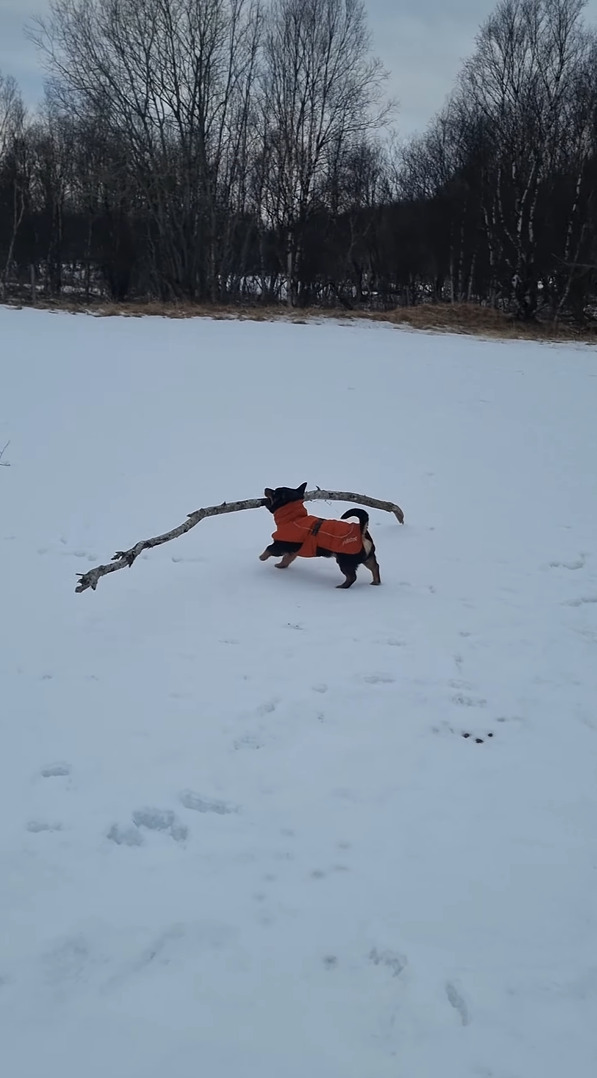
(252, 826)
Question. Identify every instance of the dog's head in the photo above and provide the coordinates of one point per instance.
(275, 499)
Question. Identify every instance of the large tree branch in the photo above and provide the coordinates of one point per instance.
(123, 558)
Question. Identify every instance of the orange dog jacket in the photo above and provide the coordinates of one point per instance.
(295, 525)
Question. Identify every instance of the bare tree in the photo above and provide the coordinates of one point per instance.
(217, 150)
(13, 169)
(520, 85)
(321, 91)
(12, 112)
(172, 78)
(573, 192)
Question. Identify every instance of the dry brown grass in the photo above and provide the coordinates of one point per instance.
(466, 318)
(471, 319)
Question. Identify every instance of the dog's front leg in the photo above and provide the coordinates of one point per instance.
(286, 561)
(266, 554)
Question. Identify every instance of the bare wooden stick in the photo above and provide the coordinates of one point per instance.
(124, 558)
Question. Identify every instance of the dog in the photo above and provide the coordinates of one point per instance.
(299, 535)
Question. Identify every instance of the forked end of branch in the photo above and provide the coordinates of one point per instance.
(85, 582)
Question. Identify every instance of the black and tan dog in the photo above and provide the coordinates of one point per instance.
(299, 535)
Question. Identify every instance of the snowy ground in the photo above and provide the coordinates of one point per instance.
(242, 832)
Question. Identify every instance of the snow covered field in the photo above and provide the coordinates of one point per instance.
(242, 833)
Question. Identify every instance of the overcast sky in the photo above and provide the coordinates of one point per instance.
(421, 42)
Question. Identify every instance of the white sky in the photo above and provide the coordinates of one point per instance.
(421, 42)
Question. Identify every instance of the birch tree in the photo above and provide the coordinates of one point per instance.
(14, 173)
(321, 90)
(520, 85)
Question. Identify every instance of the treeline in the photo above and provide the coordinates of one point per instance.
(228, 151)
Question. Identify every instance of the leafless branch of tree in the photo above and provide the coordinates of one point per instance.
(127, 558)
(4, 463)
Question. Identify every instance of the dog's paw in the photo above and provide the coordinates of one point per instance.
(264, 556)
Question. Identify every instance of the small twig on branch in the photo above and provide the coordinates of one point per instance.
(4, 463)
(124, 558)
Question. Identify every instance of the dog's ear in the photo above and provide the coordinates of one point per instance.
(302, 488)
(268, 493)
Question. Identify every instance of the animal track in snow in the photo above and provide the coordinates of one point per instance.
(156, 819)
(390, 959)
(196, 803)
(469, 701)
(585, 599)
(457, 1001)
(125, 836)
(79, 554)
(321, 687)
(37, 826)
(268, 707)
(579, 563)
(478, 740)
(57, 770)
(345, 794)
(158, 948)
(379, 679)
(66, 960)
(249, 741)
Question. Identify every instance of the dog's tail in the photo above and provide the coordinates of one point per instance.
(361, 516)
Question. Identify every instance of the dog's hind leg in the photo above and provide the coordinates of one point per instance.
(350, 574)
(372, 565)
(266, 554)
(286, 561)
